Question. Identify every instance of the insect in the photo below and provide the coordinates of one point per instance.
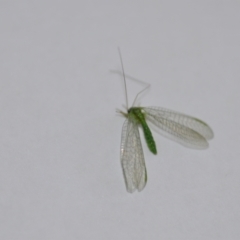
(187, 130)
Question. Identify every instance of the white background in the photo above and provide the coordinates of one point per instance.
(60, 172)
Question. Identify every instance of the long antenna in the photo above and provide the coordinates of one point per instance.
(125, 84)
(148, 85)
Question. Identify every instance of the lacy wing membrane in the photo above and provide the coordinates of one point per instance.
(182, 128)
(132, 157)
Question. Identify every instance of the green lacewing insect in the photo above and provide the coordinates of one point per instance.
(186, 130)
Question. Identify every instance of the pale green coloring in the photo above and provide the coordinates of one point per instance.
(187, 130)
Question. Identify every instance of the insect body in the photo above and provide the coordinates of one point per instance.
(138, 114)
(187, 130)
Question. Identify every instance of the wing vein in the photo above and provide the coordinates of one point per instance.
(182, 128)
(132, 158)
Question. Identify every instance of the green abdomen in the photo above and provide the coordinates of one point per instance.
(140, 117)
(149, 138)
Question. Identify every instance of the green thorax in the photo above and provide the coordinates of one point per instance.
(138, 114)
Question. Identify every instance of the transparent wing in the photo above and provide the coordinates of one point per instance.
(182, 128)
(132, 158)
